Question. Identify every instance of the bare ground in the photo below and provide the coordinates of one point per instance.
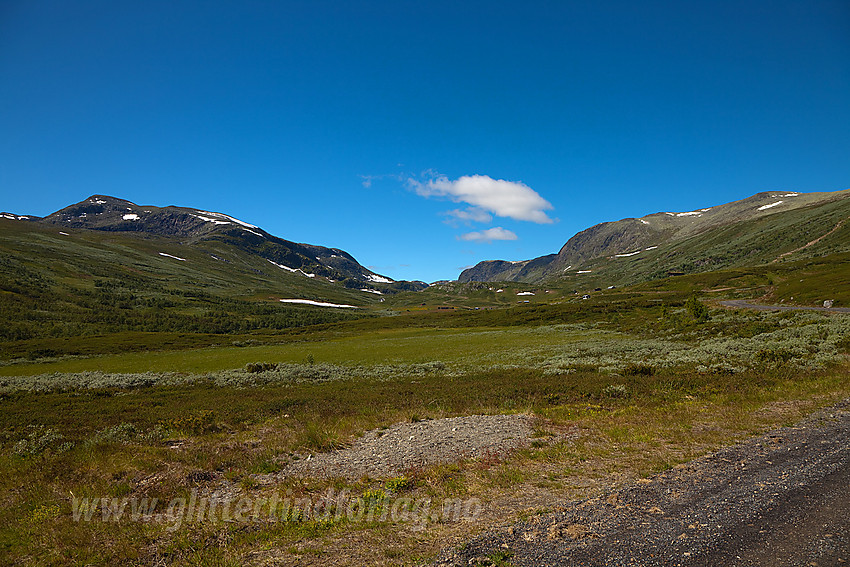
(781, 499)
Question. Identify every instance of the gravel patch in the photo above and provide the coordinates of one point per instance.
(781, 499)
(383, 453)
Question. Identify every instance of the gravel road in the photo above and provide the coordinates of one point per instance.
(742, 304)
(782, 499)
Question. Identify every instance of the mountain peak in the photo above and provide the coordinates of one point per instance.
(199, 227)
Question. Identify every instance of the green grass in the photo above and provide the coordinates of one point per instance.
(625, 384)
(395, 346)
(116, 436)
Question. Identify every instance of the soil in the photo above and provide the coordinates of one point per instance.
(781, 499)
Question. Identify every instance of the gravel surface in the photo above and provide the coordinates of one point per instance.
(782, 499)
(742, 304)
(383, 453)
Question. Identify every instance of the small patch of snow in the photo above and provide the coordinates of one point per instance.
(671, 214)
(651, 248)
(524, 293)
(629, 254)
(64, 233)
(228, 217)
(770, 206)
(372, 291)
(287, 268)
(317, 303)
(499, 290)
(131, 216)
(788, 195)
(170, 256)
(208, 219)
(690, 214)
(98, 201)
(252, 232)
(293, 270)
(378, 279)
(643, 221)
(584, 271)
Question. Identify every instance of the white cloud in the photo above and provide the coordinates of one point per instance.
(470, 215)
(509, 199)
(489, 235)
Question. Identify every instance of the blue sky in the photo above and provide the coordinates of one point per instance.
(422, 137)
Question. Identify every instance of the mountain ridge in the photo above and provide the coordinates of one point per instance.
(635, 236)
(195, 227)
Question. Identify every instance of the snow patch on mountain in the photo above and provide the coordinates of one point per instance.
(131, 216)
(293, 270)
(170, 256)
(770, 206)
(378, 279)
(209, 219)
(228, 217)
(317, 303)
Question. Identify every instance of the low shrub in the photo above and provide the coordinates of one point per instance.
(40, 441)
(638, 369)
(398, 484)
(198, 423)
(257, 367)
(616, 391)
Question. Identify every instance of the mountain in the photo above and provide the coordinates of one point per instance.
(156, 276)
(759, 229)
(200, 229)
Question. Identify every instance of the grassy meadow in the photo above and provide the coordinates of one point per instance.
(625, 384)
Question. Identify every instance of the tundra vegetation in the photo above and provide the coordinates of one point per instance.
(626, 384)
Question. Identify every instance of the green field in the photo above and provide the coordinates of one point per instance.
(149, 378)
(644, 379)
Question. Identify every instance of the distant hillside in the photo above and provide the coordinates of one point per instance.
(758, 229)
(199, 228)
(105, 266)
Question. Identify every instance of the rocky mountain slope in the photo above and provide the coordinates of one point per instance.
(633, 249)
(199, 229)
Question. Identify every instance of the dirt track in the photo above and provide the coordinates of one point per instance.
(743, 304)
(782, 499)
